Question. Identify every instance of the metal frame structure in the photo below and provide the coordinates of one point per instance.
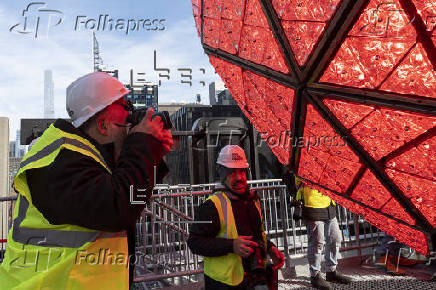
(304, 80)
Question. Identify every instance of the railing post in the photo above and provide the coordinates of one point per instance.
(356, 232)
(284, 225)
(153, 236)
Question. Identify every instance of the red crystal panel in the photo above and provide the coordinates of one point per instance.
(349, 114)
(384, 130)
(380, 52)
(368, 191)
(407, 235)
(325, 157)
(233, 10)
(254, 15)
(267, 104)
(415, 75)
(230, 35)
(365, 62)
(211, 31)
(258, 45)
(309, 10)
(302, 37)
(418, 161)
(382, 35)
(241, 28)
(304, 22)
(212, 9)
(384, 19)
(196, 7)
(421, 192)
(196, 10)
(379, 197)
(231, 75)
(427, 10)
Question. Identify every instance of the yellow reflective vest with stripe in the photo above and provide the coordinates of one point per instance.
(40, 255)
(227, 269)
(312, 197)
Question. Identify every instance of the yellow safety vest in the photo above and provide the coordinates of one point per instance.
(312, 197)
(40, 255)
(227, 269)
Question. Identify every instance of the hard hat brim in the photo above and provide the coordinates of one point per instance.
(234, 166)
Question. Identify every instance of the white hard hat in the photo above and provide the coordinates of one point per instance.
(90, 94)
(232, 156)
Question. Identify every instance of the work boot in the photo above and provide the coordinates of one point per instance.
(319, 283)
(335, 276)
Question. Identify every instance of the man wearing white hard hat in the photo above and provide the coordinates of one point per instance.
(74, 221)
(230, 233)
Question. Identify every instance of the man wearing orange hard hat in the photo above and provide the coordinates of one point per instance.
(230, 233)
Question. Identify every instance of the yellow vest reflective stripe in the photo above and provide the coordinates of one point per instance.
(312, 197)
(227, 269)
(47, 237)
(40, 255)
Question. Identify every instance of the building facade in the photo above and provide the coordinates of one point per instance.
(48, 94)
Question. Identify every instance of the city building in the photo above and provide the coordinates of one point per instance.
(19, 150)
(143, 95)
(214, 89)
(225, 98)
(14, 165)
(11, 148)
(171, 108)
(48, 94)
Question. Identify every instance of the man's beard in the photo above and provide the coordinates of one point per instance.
(239, 186)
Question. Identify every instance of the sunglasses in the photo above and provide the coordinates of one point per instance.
(128, 106)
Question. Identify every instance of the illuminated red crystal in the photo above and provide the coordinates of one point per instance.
(384, 52)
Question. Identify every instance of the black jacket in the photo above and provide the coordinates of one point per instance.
(202, 236)
(77, 190)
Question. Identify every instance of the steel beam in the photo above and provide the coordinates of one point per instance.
(343, 20)
(280, 36)
(202, 22)
(408, 145)
(297, 127)
(423, 36)
(378, 98)
(259, 69)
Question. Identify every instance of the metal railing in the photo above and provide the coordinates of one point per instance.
(6, 210)
(163, 229)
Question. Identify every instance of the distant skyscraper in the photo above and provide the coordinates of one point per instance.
(214, 89)
(19, 150)
(17, 144)
(48, 95)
